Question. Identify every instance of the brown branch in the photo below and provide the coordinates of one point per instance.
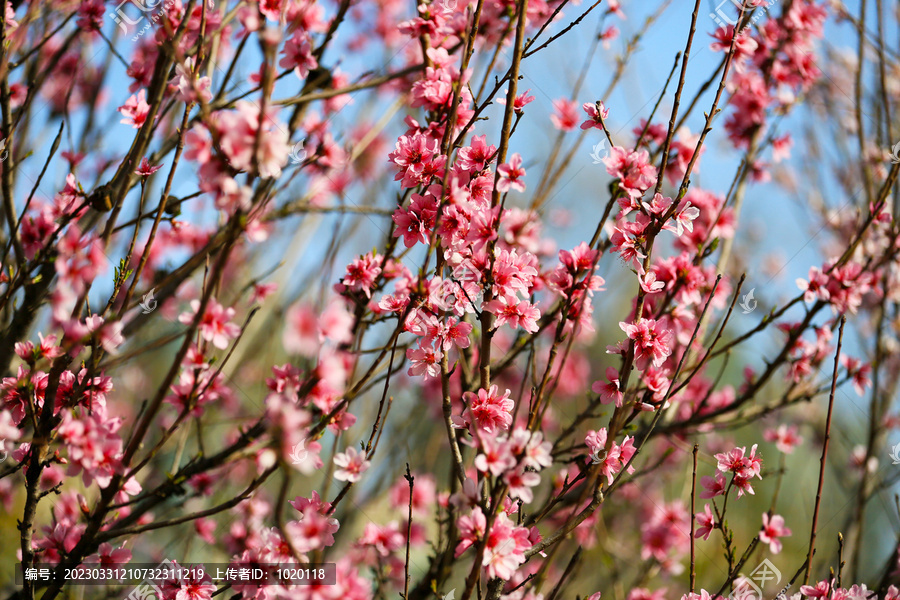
(410, 479)
(114, 533)
(815, 519)
(693, 575)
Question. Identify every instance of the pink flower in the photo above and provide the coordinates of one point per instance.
(712, 486)
(198, 145)
(108, 556)
(261, 291)
(455, 334)
(352, 464)
(611, 461)
(336, 323)
(60, 538)
(488, 410)
(314, 530)
(90, 15)
(434, 91)
(816, 287)
(301, 331)
(608, 35)
(80, 259)
(664, 531)
(633, 170)
(684, 219)
(566, 116)
(510, 174)
(423, 496)
(535, 452)
(298, 54)
(477, 156)
(859, 373)
(8, 430)
(384, 540)
(496, 456)
(772, 529)
(652, 342)
(821, 590)
(646, 594)
(74, 158)
(471, 527)
(36, 231)
(519, 103)
(522, 314)
(520, 483)
(579, 259)
(514, 273)
(135, 110)
(419, 159)
(194, 586)
(190, 87)
(505, 548)
(742, 466)
(614, 7)
(596, 117)
(649, 283)
(145, 170)
(424, 361)
(238, 139)
(610, 391)
(416, 222)
(781, 147)
(65, 199)
(847, 286)
(109, 336)
(743, 486)
(362, 274)
(706, 522)
(744, 47)
(785, 438)
(94, 446)
(215, 325)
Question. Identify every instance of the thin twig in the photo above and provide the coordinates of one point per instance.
(815, 519)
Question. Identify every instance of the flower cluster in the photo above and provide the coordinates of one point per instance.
(296, 244)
